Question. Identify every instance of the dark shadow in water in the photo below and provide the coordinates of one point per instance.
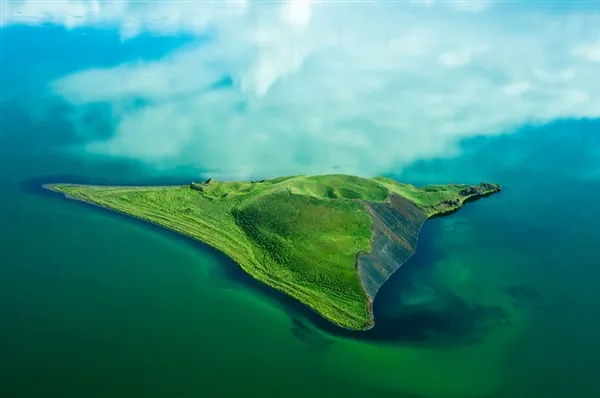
(444, 319)
(524, 295)
(449, 322)
(457, 323)
(306, 334)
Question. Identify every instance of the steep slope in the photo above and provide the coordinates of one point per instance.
(395, 232)
(329, 241)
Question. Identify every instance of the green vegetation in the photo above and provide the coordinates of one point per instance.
(439, 199)
(300, 235)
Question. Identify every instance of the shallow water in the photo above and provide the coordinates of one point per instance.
(96, 304)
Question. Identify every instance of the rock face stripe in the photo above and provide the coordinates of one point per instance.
(396, 226)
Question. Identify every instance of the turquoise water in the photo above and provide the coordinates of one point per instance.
(500, 300)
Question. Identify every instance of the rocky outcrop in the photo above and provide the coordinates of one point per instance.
(396, 226)
(482, 189)
(197, 187)
(468, 194)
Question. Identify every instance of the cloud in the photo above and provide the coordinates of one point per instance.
(130, 16)
(471, 6)
(364, 86)
(297, 13)
(589, 51)
(453, 59)
(517, 89)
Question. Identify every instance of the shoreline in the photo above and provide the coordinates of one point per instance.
(371, 301)
(265, 287)
(374, 332)
(50, 186)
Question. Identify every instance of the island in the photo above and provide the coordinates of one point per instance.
(329, 241)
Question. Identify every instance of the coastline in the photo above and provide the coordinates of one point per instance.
(264, 285)
(467, 199)
(268, 288)
(463, 201)
(371, 302)
(50, 186)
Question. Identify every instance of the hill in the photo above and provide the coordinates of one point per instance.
(329, 241)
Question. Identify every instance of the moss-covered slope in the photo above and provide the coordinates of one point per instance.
(318, 239)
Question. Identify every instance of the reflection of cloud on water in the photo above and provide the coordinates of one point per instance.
(295, 86)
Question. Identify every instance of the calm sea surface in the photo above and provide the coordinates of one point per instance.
(500, 300)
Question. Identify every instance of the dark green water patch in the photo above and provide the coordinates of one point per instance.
(525, 295)
(448, 321)
(411, 308)
(305, 333)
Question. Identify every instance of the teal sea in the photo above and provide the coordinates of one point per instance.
(501, 299)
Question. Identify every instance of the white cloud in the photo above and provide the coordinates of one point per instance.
(471, 5)
(462, 57)
(366, 86)
(590, 51)
(554, 76)
(296, 13)
(454, 59)
(132, 17)
(517, 89)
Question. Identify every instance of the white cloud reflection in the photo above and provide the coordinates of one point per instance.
(367, 86)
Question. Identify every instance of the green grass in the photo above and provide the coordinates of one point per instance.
(338, 186)
(300, 235)
(437, 199)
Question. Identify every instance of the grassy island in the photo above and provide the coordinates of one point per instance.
(329, 241)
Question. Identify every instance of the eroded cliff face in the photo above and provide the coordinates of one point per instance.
(396, 227)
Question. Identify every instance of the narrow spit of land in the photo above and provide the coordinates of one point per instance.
(330, 241)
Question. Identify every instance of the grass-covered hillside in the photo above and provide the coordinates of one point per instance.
(298, 234)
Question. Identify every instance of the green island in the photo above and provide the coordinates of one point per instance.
(329, 241)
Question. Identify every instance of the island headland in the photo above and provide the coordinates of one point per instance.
(329, 241)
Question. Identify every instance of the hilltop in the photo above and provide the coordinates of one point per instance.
(330, 241)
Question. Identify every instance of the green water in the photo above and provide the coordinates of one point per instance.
(95, 305)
